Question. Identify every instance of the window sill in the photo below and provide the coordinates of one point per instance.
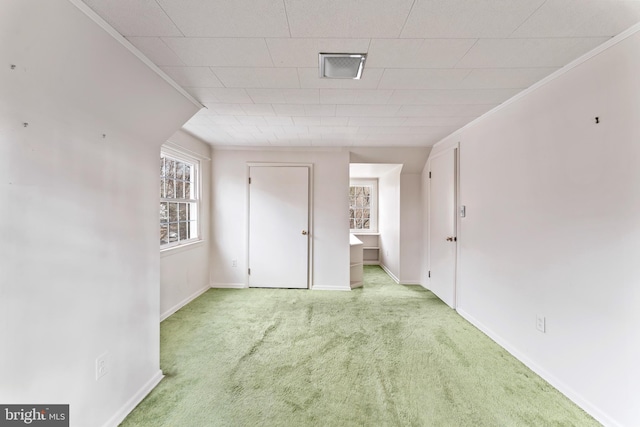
(180, 248)
(365, 233)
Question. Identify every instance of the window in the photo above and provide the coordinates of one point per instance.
(363, 210)
(179, 200)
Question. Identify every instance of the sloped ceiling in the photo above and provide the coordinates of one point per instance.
(432, 65)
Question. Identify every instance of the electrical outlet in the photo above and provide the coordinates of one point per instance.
(234, 263)
(102, 365)
(541, 323)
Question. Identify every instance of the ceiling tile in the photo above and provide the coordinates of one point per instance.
(523, 53)
(225, 109)
(438, 121)
(339, 18)
(309, 78)
(320, 110)
(193, 76)
(224, 96)
(258, 110)
(156, 50)
(497, 78)
(444, 110)
(354, 96)
(448, 97)
(417, 53)
(467, 19)
(333, 130)
(290, 110)
(423, 78)
(251, 120)
(377, 121)
(135, 17)
(580, 18)
(321, 121)
(284, 96)
(261, 77)
(225, 120)
(279, 121)
(407, 130)
(222, 18)
(221, 52)
(366, 110)
(303, 52)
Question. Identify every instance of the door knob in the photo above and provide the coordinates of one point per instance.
(304, 232)
(451, 239)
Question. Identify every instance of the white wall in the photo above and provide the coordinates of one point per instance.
(411, 254)
(184, 271)
(330, 234)
(389, 221)
(79, 257)
(553, 202)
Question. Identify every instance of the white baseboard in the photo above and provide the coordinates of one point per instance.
(393, 276)
(122, 413)
(411, 282)
(184, 302)
(331, 288)
(588, 407)
(229, 285)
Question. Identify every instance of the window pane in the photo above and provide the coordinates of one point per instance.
(173, 233)
(187, 172)
(164, 234)
(164, 212)
(359, 224)
(161, 166)
(184, 234)
(170, 189)
(179, 190)
(179, 170)
(365, 224)
(170, 168)
(173, 212)
(162, 184)
(182, 214)
(352, 223)
(187, 191)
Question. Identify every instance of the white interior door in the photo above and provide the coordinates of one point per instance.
(279, 226)
(442, 226)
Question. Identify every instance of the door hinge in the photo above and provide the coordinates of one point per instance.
(429, 174)
(249, 272)
(249, 180)
(429, 273)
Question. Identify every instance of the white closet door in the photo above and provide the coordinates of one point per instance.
(442, 227)
(279, 226)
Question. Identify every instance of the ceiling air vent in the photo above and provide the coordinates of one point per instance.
(341, 65)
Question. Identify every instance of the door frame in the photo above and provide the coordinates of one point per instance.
(310, 236)
(457, 223)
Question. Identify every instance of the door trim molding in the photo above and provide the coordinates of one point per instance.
(310, 239)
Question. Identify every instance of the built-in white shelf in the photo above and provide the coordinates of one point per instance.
(370, 247)
(356, 262)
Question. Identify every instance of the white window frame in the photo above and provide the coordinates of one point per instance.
(373, 203)
(196, 186)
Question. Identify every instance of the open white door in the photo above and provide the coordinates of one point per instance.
(442, 226)
(279, 226)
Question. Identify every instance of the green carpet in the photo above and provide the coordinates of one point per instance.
(382, 355)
